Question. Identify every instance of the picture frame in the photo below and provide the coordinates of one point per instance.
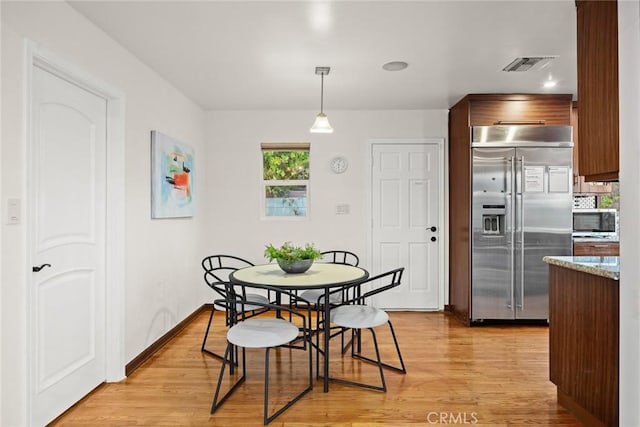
(172, 177)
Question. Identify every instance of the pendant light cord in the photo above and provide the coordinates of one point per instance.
(321, 92)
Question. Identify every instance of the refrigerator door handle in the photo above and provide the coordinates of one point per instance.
(512, 220)
(521, 208)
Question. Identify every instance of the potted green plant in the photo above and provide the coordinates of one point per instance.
(293, 259)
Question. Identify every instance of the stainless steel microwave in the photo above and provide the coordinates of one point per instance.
(595, 222)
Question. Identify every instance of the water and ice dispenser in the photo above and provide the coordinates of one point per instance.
(493, 219)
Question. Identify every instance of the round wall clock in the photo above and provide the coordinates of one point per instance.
(339, 164)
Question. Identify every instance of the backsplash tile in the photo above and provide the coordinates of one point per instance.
(584, 202)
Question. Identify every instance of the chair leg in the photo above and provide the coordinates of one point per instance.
(395, 341)
(234, 355)
(206, 335)
(375, 344)
(310, 361)
(217, 403)
(400, 369)
(349, 343)
(266, 386)
(318, 351)
(382, 387)
(267, 418)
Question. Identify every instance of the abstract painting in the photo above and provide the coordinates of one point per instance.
(172, 178)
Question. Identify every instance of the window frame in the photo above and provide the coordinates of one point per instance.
(264, 183)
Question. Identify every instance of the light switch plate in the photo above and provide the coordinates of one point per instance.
(13, 211)
(342, 209)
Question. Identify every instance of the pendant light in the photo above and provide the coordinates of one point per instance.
(321, 125)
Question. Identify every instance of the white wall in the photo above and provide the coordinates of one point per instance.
(629, 72)
(2, 212)
(235, 165)
(162, 273)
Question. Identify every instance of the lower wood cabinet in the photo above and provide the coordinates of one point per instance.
(583, 344)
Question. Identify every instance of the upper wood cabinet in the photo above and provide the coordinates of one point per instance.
(579, 183)
(597, 39)
(525, 109)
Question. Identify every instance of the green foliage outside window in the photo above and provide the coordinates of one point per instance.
(611, 200)
(285, 165)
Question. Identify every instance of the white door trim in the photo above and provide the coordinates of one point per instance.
(115, 201)
(443, 225)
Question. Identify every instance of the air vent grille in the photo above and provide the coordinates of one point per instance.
(529, 63)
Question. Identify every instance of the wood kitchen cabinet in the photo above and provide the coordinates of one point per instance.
(484, 110)
(579, 183)
(488, 110)
(583, 344)
(596, 249)
(597, 51)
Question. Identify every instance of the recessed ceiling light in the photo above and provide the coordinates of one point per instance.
(395, 65)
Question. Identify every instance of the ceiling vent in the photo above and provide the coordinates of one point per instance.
(529, 63)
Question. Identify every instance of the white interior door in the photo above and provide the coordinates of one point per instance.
(67, 199)
(406, 192)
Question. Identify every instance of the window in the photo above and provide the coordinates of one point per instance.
(285, 178)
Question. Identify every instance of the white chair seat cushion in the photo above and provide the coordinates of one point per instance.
(358, 316)
(262, 333)
(312, 296)
(248, 307)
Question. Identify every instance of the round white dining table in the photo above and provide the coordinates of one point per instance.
(325, 276)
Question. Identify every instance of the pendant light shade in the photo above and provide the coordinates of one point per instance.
(321, 125)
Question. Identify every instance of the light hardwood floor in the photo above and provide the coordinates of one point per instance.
(489, 375)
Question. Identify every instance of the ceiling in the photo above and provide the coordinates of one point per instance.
(261, 55)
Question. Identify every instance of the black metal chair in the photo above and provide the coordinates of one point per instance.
(267, 333)
(341, 257)
(216, 275)
(316, 296)
(354, 314)
(333, 257)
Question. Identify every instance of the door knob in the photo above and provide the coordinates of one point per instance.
(433, 228)
(36, 268)
(433, 239)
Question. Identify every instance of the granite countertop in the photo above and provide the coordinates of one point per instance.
(605, 266)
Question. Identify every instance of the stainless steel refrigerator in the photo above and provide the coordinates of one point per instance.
(521, 211)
